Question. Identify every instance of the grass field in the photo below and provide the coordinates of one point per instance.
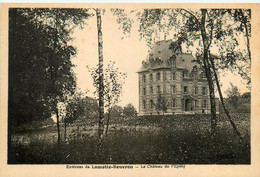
(143, 140)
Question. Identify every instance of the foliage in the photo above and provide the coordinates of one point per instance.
(41, 75)
(116, 111)
(80, 106)
(113, 84)
(161, 104)
(129, 110)
(233, 95)
(152, 140)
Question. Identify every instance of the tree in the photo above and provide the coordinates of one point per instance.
(113, 86)
(27, 99)
(126, 27)
(129, 110)
(233, 95)
(100, 75)
(161, 104)
(116, 111)
(206, 27)
(191, 27)
(48, 53)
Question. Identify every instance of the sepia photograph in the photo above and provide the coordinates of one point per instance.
(117, 86)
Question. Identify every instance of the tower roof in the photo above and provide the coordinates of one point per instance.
(163, 53)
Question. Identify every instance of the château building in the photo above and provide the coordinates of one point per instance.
(171, 82)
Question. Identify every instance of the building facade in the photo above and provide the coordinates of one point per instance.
(171, 82)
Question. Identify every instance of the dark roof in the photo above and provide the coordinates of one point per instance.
(160, 54)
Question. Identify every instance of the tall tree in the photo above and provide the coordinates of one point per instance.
(191, 27)
(113, 86)
(50, 49)
(206, 27)
(100, 73)
(125, 25)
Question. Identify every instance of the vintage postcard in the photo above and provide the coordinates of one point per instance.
(130, 89)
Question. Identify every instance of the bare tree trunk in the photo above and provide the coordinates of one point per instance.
(101, 84)
(222, 101)
(58, 125)
(209, 77)
(108, 118)
(247, 33)
(65, 130)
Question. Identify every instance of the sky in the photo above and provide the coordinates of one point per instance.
(128, 54)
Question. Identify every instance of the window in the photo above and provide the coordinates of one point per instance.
(144, 104)
(151, 77)
(196, 103)
(173, 76)
(173, 88)
(144, 91)
(185, 89)
(174, 103)
(158, 76)
(151, 104)
(195, 90)
(144, 78)
(204, 91)
(185, 74)
(151, 90)
(195, 76)
(204, 103)
(158, 89)
(203, 75)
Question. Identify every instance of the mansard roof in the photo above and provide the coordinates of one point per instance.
(163, 53)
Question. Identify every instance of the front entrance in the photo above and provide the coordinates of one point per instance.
(188, 104)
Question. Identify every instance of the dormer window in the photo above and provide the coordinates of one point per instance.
(195, 75)
(203, 75)
(185, 74)
(172, 61)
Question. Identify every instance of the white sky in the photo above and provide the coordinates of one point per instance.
(128, 54)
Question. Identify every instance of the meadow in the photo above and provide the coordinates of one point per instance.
(178, 139)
